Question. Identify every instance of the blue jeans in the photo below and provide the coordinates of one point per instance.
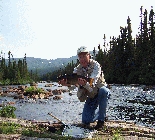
(95, 108)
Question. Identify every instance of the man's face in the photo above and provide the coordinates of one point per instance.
(84, 59)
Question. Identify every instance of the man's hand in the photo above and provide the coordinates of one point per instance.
(82, 82)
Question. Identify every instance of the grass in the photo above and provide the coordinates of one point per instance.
(33, 131)
(117, 136)
(8, 111)
(9, 128)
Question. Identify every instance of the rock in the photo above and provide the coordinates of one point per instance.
(35, 96)
(41, 96)
(57, 97)
(55, 126)
(64, 90)
(48, 85)
(49, 90)
(57, 92)
(11, 103)
(21, 96)
(42, 82)
(70, 93)
(20, 91)
(33, 84)
(21, 87)
(47, 94)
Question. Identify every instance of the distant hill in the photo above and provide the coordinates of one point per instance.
(44, 66)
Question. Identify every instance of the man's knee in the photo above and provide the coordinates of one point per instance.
(104, 92)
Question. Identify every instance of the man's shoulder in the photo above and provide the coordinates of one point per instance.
(94, 62)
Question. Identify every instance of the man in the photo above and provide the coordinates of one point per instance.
(96, 94)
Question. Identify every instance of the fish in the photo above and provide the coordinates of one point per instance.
(72, 79)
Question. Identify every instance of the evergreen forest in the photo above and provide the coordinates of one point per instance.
(14, 72)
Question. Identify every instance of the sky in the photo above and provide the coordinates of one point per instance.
(51, 29)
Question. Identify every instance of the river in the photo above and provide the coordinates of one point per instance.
(128, 103)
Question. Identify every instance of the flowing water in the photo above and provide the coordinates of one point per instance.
(126, 103)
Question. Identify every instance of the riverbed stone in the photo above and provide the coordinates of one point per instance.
(21, 96)
(41, 96)
(57, 97)
(57, 92)
(48, 85)
(21, 87)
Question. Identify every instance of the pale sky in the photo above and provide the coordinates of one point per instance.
(51, 29)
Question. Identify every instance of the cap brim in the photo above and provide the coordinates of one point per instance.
(83, 52)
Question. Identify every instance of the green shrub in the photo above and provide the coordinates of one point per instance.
(117, 135)
(34, 89)
(43, 133)
(8, 111)
(6, 82)
(31, 132)
(8, 128)
(30, 89)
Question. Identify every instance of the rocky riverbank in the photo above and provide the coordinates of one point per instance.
(123, 130)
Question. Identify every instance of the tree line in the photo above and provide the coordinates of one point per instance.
(125, 59)
(14, 72)
(131, 60)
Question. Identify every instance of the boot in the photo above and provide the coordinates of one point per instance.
(86, 126)
(99, 125)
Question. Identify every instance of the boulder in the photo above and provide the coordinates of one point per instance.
(49, 90)
(57, 92)
(48, 85)
(57, 97)
(64, 90)
(11, 103)
(47, 94)
(35, 96)
(21, 87)
(41, 96)
(21, 96)
(33, 84)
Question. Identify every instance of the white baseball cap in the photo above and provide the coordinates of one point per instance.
(82, 49)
